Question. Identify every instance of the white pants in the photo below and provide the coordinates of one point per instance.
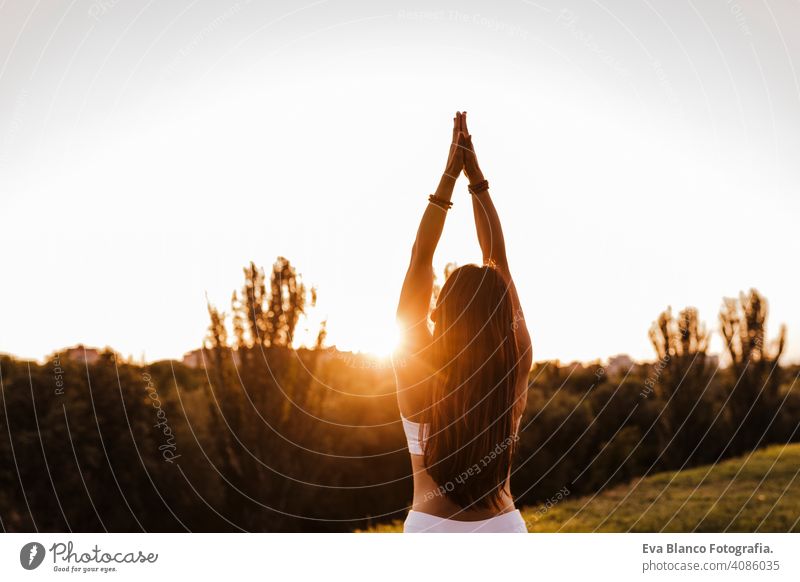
(418, 522)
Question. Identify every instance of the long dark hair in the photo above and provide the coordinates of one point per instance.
(470, 413)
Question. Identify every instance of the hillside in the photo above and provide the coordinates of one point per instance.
(759, 492)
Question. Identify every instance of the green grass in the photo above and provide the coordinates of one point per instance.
(757, 492)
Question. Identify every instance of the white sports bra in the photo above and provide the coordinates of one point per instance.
(411, 429)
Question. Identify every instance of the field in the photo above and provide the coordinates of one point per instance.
(758, 492)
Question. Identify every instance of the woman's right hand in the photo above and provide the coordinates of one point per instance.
(471, 167)
(455, 158)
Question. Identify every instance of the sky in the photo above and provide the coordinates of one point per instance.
(640, 156)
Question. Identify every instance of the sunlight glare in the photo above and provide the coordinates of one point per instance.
(385, 343)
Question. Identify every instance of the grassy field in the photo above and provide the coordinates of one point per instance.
(759, 492)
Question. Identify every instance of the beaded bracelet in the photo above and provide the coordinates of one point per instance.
(440, 202)
(481, 186)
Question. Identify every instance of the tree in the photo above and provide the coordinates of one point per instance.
(256, 412)
(287, 302)
(681, 378)
(239, 323)
(321, 335)
(755, 393)
(255, 296)
(226, 417)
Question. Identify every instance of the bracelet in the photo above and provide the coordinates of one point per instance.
(440, 202)
(481, 186)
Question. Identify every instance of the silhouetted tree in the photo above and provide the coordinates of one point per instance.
(217, 337)
(239, 323)
(681, 378)
(755, 393)
(255, 297)
(264, 404)
(287, 302)
(321, 335)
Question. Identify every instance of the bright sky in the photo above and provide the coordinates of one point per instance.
(639, 157)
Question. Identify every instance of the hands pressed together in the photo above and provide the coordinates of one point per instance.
(462, 153)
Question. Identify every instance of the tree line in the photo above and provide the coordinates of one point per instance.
(267, 436)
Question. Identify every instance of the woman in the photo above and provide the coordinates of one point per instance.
(463, 387)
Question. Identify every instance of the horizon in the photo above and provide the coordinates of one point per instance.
(721, 357)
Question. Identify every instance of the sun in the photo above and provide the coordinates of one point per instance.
(384, 343)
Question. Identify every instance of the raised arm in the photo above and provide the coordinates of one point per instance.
(493, 246)
(415, 296)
